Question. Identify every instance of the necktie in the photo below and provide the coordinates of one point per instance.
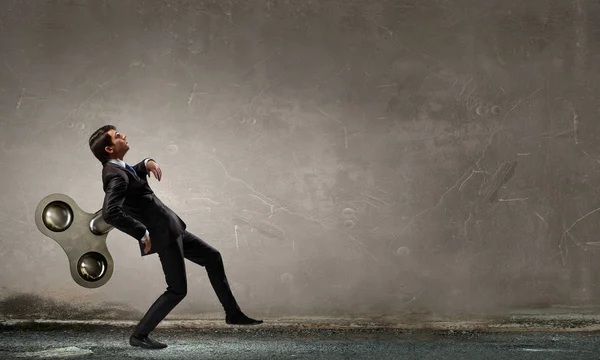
(130, 169)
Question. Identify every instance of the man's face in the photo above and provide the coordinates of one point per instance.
(120, 145)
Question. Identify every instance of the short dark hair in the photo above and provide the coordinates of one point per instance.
(99, 140)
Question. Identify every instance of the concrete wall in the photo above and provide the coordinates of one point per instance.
(346, 157)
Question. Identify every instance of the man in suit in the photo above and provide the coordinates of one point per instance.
(131, 206)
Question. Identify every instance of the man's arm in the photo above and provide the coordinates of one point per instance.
(112, 209)
(140, 168)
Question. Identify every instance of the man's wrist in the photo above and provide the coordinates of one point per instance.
(146, 163)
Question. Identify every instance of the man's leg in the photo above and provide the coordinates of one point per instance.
(173, 266)
(201, 253)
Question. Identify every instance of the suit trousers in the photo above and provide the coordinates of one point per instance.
(187, 246)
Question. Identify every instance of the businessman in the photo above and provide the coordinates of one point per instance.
(131, 206)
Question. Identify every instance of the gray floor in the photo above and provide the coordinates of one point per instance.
(269, 343)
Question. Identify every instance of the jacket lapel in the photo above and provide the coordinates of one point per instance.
(123, 169)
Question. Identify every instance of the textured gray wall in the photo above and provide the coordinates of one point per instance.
(346, 157)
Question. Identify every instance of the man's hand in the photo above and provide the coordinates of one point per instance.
(148, 244)
(153, 168)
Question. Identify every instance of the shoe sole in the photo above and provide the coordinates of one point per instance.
(144, 346)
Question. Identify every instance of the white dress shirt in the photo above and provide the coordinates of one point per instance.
(121, 163)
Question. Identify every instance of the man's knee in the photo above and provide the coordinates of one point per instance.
(214, 258)
(217, 256)
(178, 293)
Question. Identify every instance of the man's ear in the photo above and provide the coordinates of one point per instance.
(109, 149)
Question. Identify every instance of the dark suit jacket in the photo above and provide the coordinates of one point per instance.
(131, 206)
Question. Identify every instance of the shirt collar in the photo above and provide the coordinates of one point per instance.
(121, 163)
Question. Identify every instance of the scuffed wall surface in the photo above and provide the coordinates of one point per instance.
(346, 157)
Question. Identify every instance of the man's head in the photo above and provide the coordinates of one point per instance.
(107, 143)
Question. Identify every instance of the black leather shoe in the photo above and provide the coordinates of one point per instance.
(240, 319)
(145, 342)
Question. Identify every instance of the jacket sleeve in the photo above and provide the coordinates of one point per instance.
(140, 168)
(112, 209)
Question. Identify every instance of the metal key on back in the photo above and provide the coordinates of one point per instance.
(81, 235)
